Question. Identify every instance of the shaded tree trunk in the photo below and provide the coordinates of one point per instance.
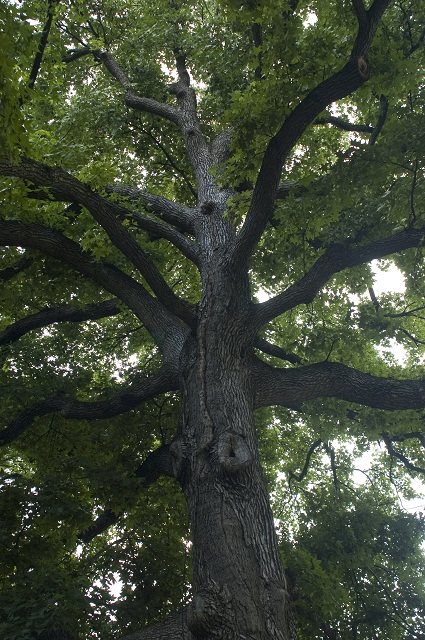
(238, 582)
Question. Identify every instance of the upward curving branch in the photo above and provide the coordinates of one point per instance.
(335, 259)
(338, 86)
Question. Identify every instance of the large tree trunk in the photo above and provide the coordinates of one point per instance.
(238, 581)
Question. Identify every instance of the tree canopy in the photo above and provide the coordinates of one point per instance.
(141, 144)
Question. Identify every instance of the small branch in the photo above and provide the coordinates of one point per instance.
(346, 126)
(53, 315)
(172, 163)
(19, 266)
(331, 453)
(182, 71)
(412, 194)
(257, 36)
(76, 54)
(409, 436)
(416, 341)
(383, 112)
(416, 46)
(273, 350)
(102, 522)
(300, 476)
(395, 454)
(43, 43)
(286, 188)
(406, 314)
(374, 299)
(158, 463)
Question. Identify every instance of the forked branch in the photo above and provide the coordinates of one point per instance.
(400, 456)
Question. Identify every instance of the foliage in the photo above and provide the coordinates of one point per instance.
(352, 553)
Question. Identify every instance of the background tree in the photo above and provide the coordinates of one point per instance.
(192, 196)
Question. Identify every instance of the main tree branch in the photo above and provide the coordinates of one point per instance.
(165, 380)
(334, 260)
(338, 86)
(293, 387)
(174, 627)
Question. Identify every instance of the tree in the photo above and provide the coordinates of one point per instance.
(192, 197)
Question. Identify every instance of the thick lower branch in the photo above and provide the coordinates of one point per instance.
(108, 215)
(293, 387)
